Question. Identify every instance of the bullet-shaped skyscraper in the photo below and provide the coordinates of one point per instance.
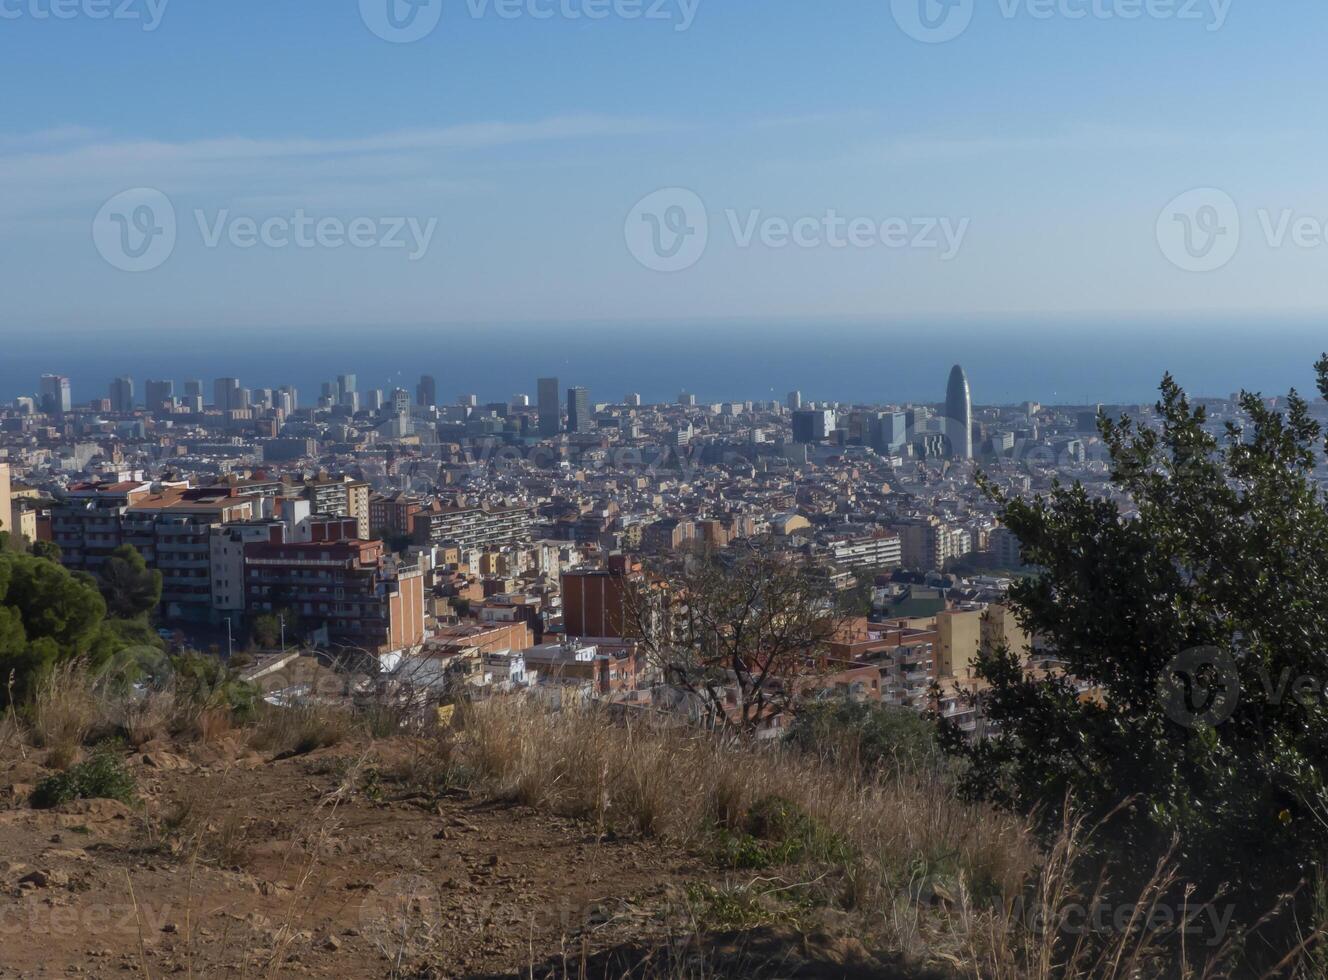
(959, 414)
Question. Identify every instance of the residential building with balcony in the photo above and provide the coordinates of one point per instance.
(350, 589)
(474, 527)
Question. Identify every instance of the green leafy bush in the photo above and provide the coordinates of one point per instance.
(877, 738)
(102, 777)
(209, 683)
(777, 832)
(1183, 606)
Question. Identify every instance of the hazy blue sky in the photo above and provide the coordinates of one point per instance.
(1038, 150)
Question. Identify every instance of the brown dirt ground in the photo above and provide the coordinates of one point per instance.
(296, 879)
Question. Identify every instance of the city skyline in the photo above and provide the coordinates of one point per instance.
(1020, 361)
(229, 394)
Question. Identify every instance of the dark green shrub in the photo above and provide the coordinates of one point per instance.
(777, 832)
(878, 738)
(102, 777)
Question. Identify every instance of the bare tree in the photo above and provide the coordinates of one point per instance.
(736, 631)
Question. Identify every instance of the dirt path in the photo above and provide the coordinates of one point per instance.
(293, 879)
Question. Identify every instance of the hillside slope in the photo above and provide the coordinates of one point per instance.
(234, 863)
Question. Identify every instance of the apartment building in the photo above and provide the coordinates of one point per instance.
(874, 551)
(226, 545)
(604, 670)
(669, 534)
(907, 672)
(29, 517)
(342, 498)
(928, 544)
(595, 600)
(1005, 548)
(349, 588)
(173, 533)
(959, 633)
(1000, 629)
(86, 523)
(392, 517)
(474, 527)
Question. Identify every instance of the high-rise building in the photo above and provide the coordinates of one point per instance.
(578, 410)
(401, 401)
(426, 392)
(226, 393)
(158, 393)
(813, 425)
(345, 385)
(54, 394)
(794, 400)
(122, 394)
(550, 414)
(889, 432)
(959, 414)
(193, 388)
(633, 400)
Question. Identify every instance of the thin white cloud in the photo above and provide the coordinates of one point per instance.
(69, 167)
(1085, 137)
(465, 136)
(46, 138)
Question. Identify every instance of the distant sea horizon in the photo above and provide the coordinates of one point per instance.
(1070, 360)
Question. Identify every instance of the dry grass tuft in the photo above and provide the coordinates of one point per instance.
(302, 728)
(63, 712)
(685, 786)
(937, 881)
